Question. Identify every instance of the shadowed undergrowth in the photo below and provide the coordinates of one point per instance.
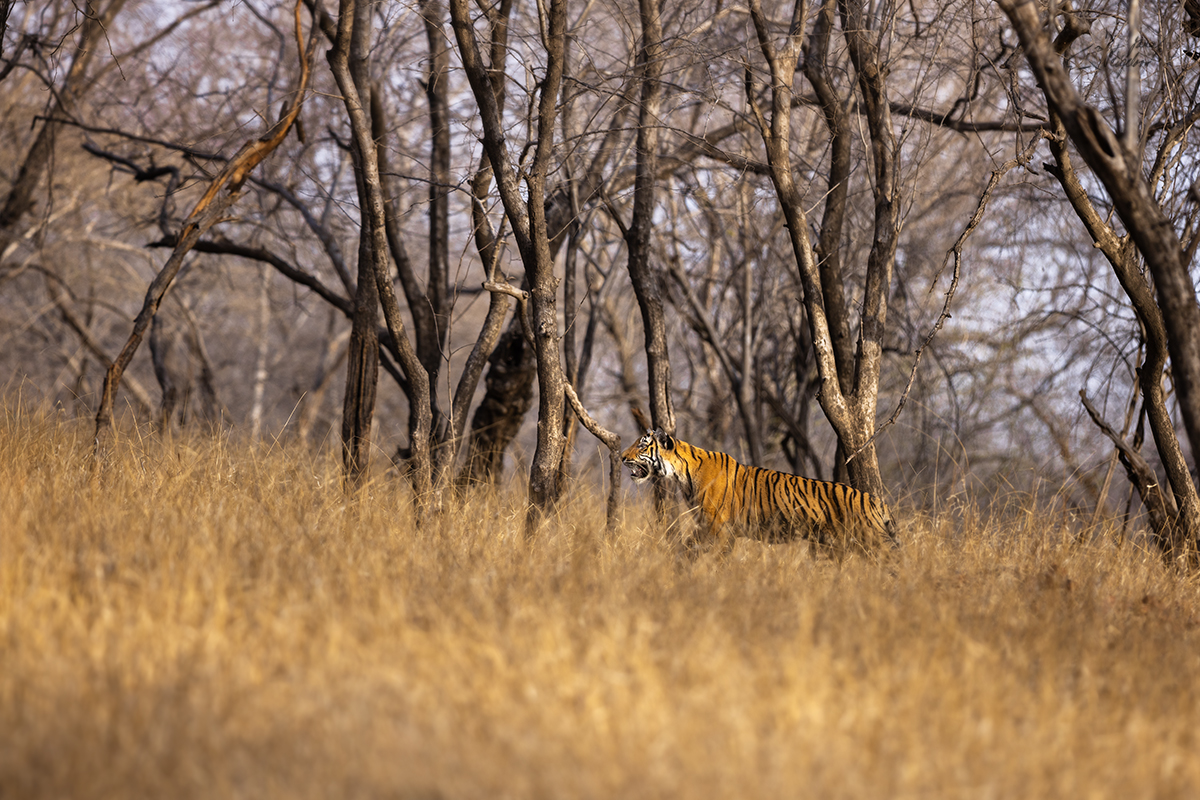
(215, 619)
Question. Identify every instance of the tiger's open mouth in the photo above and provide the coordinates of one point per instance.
(638, 470)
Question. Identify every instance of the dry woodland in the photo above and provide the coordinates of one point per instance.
(281, 279)
(210, 617)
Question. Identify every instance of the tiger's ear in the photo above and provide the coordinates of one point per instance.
(664, 441)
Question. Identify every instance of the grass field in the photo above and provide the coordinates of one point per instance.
(211, 619)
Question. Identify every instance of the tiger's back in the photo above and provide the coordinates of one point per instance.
(762, 503)
(777, 506)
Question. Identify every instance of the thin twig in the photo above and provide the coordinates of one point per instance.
(956, 251)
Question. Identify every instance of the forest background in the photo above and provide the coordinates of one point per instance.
(748, 222)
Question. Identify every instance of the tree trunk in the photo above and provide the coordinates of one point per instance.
(544, 486)
(349, 60)
(638, 236)
(852, 414)
(498, 418)
(264, 350)
(1172, 326)
(362, 370)
(1121, 173)
(431, 344)
(526, 212)
(829, 245)
(862, 462)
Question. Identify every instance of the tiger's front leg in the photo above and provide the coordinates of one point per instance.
(725, 545)
(722, 535)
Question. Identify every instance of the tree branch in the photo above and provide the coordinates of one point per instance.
(955, 252)
(207, 212)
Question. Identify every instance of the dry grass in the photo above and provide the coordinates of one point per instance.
(213, 620)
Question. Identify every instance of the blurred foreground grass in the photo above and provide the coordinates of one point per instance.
(213, 619)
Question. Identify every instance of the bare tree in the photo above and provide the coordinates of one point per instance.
(850, 409)
(182, 367)
(651, 58)
(527, 218)
(1172, 325)
(207, 212)
(350, 60)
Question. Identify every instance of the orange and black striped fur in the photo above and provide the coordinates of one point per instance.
(762, 503)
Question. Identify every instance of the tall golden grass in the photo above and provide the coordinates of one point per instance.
(215, 619)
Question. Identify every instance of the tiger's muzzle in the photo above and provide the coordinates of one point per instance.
(638, 470)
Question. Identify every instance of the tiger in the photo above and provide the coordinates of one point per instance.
(761, 503)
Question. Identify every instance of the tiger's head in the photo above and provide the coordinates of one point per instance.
(650, 455)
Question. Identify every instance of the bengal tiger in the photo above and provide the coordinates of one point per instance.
(762, 503)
